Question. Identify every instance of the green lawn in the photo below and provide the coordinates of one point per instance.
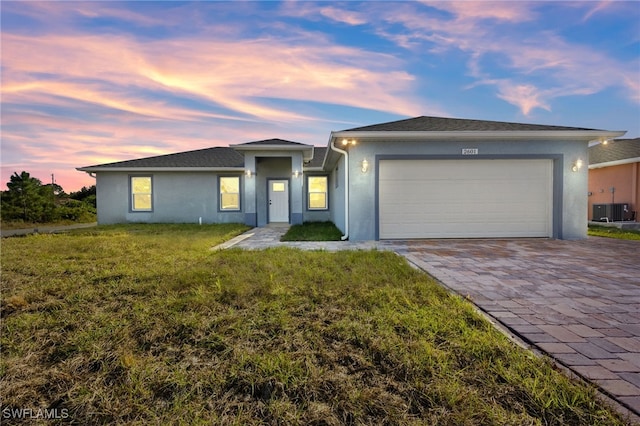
(313, 231)
(612, 232)
(146, 325)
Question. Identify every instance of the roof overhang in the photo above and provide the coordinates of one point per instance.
(615, 163)
(512, 135)
(96, 169)
(585, 135)
(307, 150)
(313, 169)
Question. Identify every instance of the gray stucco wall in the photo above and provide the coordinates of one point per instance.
(336, 195)
(185, 197)
(570, 188)
(178, 197)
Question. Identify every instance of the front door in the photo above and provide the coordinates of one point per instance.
(279, 201)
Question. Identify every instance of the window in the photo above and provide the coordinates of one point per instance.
(141, 194)
(230, 193)
(317, 196)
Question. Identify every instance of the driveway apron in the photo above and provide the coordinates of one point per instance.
(577, 301)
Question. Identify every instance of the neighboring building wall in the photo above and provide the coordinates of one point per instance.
(624, 178)
(178, 197)
(570, 188)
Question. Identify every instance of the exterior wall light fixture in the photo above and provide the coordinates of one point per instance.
(364, 166)
(248, 173)
(577, 165)
(297, 174)
(346, 142)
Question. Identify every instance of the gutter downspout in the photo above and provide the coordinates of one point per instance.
(346, 188)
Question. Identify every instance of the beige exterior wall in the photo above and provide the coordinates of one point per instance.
(624, 178)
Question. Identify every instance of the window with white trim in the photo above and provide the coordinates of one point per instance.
(317, 193)
(141, 193)
(230, 193)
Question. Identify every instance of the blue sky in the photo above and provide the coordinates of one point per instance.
(86, 83)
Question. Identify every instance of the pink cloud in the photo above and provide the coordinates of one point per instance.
(568, 69)
(339, 15)
(141, 89)
(60, 14)
(231, 74)
(511, 11)
(55, 144)
(524, 96)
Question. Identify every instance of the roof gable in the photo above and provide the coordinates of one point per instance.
(615, 150)
(271, 142)
(441, 124)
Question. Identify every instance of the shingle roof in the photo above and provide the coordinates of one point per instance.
(208, 157)
(615, 150)
(272, 142)
(216, 157)
(318, 157)
(441, 124)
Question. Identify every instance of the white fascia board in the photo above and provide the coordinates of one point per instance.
(160, 169)
(615, 163)
(330, 153)
(587, 135)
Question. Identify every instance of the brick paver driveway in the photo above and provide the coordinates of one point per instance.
(578, 301)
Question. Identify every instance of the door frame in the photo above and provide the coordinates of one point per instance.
(288, 198)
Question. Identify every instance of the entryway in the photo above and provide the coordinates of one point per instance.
(278, 201)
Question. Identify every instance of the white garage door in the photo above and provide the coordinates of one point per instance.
(465, 198)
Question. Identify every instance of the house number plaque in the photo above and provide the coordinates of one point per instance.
(469, 151)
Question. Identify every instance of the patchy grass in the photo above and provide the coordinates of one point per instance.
(145, 325)
(313, 231)
(613, 232)
(31, 225)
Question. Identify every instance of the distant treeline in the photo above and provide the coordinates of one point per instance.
(28, 200)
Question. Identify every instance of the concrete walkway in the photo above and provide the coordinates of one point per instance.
(269, 236)
(576, 301)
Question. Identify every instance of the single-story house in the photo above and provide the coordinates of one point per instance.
(614, 180)
(424, 177)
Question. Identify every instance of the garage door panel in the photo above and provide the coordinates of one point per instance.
(465, 198)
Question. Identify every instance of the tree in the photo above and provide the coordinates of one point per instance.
(27, 196)
(86, 194)
(29, 200)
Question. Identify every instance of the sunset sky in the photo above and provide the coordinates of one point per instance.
(86, 83)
